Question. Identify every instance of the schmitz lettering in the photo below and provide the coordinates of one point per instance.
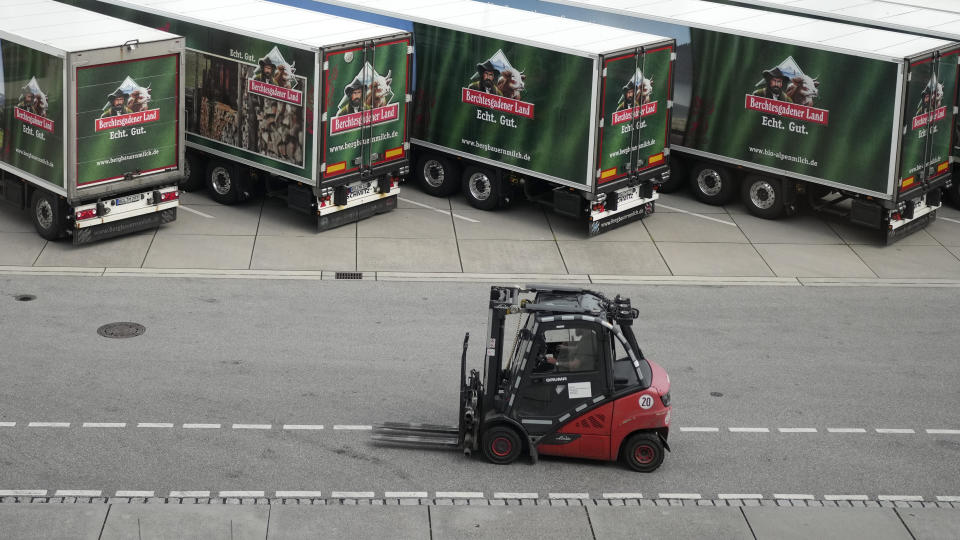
(129, 119)
(36, 120)
(352, 121)
(276, 92)
(497, 103)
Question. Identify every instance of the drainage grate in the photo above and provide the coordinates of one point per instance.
(121, 330)
(349, 275)
(24, 297)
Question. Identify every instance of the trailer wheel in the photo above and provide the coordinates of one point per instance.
(643, 452)
(712, 184)
(481, 188)
(501, 445)
(678, 176)
(437, 175)
(763, 196)
(223, 181)
(48, 214)
(193, 172)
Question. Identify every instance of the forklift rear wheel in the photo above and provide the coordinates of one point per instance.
(481, 188)
(643, 452)
(437, 175)
(501, 445)
(712, 184)
(223, 181)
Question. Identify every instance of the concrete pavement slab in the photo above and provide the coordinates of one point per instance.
(317, 252)
(567, 228)
(955, 251)
(713, 259)
(511, 256)
(788, 523)
(689, 228)
(412, 197)
(792, 230)
(197, 198)
(20, 248)
(186, 521)
(14, 220)
(276, 219)
(528, 522)
(408, 254)
(908, 261)
(860, 235)
(354, 522)
(683, 200)
(52, 522)
(668, 522)
(197, 251)
(792, 260)
(125, 252)
(622, 258)
(944, 231)
(240, 220)
(520, 222)
(401, 223)
(931, 523)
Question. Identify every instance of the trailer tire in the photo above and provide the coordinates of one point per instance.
(501, 445)
(194, 169)
(481, 187)
(643, 452)
(48, 215)
(712, 184)
(763, 196)
(437, 175)
(678, 177)
(223, 181)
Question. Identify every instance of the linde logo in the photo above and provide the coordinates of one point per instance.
(922, 120)
(352, 121)
(646, 109)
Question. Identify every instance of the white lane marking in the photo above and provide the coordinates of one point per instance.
(678, 495)
(128, 493)
(846, 430)
(48, 424)
(795, 496)
(459, 494)
(515, 495)
(739, 496)
(405, 494)
(912, 498)
(184, 494)
(252, 426)
(8, 424)
(445, 212)
(302, 426)
(352, 428)
(568, 495)
(155, 425)
(299, 494)
(703, 429)
(695, 214)
(749, 430)
(23, 492)
(948, 498)
(352, 495)
(105, 424)
(201, 426)
(943, 431)
(896, 431)
(797, 430)
(240, 494)
(197, 212)
(77, 493)
(846, 498)
(950, 220)
(622, 495)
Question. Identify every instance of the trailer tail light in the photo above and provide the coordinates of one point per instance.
(169, 196)
(394, 182)
(665, 398)
(896, 216)
(599, 207)
(86, 214)
(325, 201)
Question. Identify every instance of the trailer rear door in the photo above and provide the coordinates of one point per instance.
(366, 87)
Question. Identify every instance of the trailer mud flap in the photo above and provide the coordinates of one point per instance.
(352, 215)
(918, 223)
(126, 226)
(618, 220)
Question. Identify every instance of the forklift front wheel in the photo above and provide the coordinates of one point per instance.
(501, 445)
(643, 452)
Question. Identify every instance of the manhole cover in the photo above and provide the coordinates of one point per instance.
(24, 297)
(121, 330)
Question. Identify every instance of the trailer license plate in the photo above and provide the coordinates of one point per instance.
(360, 190)
(126, 200)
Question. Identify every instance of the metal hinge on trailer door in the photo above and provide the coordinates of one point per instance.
(326, 65)
(604, 72)
(409, 49)
(673, 56)
(323, 117)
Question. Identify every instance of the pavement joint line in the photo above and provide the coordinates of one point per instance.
(445, 212)
(347, 427)
(8, 424)
(622, 495)
(743, 496)
(134, 493)
(105, 424)
(675, 209)
(197, 212)
(688, 496)
(568, 495)
(948, 498)
(201, 426)
(48, 424)
(352, 495)
(23, 493)
(943, 431)
(77, 493)
(514, 495)
(189, 494)
(155, 425)
(949, 219)
(240, 494)
(846, 430)
(405, 494)
(299, 494)
(303, 426)
(749, 430)
(252, 426)
(911, 498)
(460, 494)
(896, 431)
(846, 498)
(700, 429)
(794, 496)
(797, 430)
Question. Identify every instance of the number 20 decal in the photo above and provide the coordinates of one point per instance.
(646, 401)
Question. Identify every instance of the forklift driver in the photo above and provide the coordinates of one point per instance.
(577, 351)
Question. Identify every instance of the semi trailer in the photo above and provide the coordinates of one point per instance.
(311, 108)
(508, 102)
(90, 121)
(784, 108)
(926, 18)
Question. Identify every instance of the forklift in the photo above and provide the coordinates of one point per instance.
(575, 384)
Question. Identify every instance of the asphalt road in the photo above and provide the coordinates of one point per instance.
(274, 353)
